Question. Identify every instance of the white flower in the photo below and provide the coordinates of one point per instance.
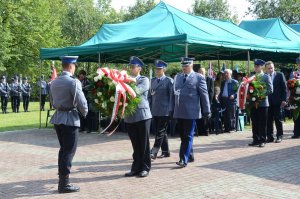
(110, 83)
(99, 94)
(96, 78)
(96, 101)
(296, 98)
(251, 91)
(120, 103)
(114, 82)
(112, 99)
(126, 104)
(103, 105)
(253, 99)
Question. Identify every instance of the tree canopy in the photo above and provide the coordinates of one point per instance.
(287, 10)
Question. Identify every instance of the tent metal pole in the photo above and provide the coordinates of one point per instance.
(99, 62)
(219, 62)
(248, 61)
(186, 49)
(41, 67)
(231, 61)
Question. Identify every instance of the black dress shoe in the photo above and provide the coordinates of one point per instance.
(278, 140)
(270, 140)
(191, 160)
(262, 144)
(131, 174)
(181, 164)
(153, 156)
(164, 155)
(295, 137)
(143, 174)
(253, 144)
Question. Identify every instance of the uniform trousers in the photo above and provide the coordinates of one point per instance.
(15, 103)
(186, 132)
(4, 101)
(43, 101)
(25, 102)
(67, 137)
(161, 137)
(259, 118)
(139, 136)
(274, 114)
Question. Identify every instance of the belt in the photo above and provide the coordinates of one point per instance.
(66, 109)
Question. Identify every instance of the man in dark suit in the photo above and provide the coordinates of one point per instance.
(203, 123)
(277, 101)
(190, 92)
(296, 75)
(138, 124)
(227, 98)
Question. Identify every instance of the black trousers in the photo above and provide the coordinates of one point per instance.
(139, 136)
(161, 137)
(297, 127)
(186, 132)
(25, 102)
(4, 101)
(202, 126)
(15, 103)
(229, 114)
(259, 118)
(274, 114)
(43, 101)
(67, 137)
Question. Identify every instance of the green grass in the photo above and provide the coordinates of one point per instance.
(24, 120)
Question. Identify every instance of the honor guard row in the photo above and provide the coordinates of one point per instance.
(15, 90)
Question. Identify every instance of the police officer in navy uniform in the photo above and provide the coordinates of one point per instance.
(259, 115)
(138, 124)
(4, 93)
(160, 100)
(296, 75)
(25, 89)
(15, 93)
(43, 91)
(68, 99)
(190, 97)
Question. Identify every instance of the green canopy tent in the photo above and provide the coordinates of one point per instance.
(295, 27)
(168, 33)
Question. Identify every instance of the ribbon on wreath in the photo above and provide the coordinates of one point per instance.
(119, 78)
(242, 92)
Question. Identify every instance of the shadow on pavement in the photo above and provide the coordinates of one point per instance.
(48, 138)
(281, 165)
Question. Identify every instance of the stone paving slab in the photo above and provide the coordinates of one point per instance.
(224, 167)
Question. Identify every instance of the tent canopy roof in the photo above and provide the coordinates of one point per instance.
(164, 33)
(295, 27)
(273, 28)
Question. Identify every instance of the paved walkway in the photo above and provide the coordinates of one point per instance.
(224, 167)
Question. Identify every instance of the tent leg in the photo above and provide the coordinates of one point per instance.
(219, 63)
(99, 62)
(41, 67)
(186, 50)
(248, 61)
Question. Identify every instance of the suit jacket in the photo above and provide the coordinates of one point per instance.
(143, 110)
(231, 90)
(161, 96)
(67, 98)
(210, 88)
(266, 78)
(279, 89)
(193, 94)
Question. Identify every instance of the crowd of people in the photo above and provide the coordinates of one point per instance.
(192, 98)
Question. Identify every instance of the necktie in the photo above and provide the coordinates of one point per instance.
(158, 80)
(184, 79)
